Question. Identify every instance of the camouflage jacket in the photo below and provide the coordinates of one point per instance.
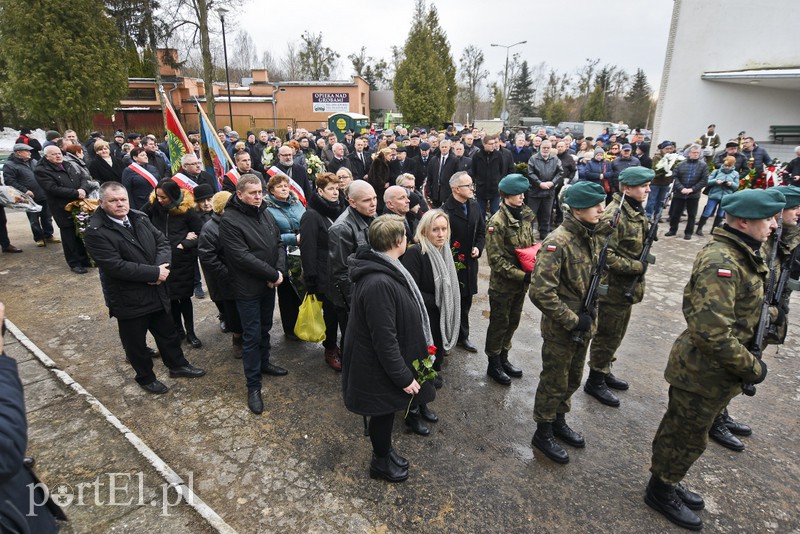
(721, 303)
(624, 251)
(505, 234)
(790, 239)
(562, 274)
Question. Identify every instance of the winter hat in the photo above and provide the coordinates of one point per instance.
(24, 131)
(52, 135)
(21, 146)
(202, 192)
(599, 150)
(219, 200)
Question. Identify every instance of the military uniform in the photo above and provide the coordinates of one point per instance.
(560, 281)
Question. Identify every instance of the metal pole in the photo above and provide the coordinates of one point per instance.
(227, 76)
(505, 82)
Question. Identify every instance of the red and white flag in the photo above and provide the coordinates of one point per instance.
(185, 182)
(294, 186)
(233, 176)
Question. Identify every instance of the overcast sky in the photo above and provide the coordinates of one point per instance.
(629, 33)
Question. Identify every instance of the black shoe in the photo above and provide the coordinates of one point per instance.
(254, 401)
(155, 387)
(274, 370)
(186, 371)
(467, 345)
(687, 237)
(11, 249)
(737, 428)
(415, 424)
(544, 440)
(428, 414)
(670, 233)
(597, 388)
(387, 469)
(698, 232)
(495, 371)
(615, 383)
(720, 433)
(663, 499)
(223, 327)
(398, 460)
(563, 432)
(77, 270)
(192, 339)
(509, 368)
(692, 500)
(438, 381)
(153, 353)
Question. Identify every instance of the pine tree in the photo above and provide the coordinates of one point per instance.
(78, 69)
(638, 100)
(424, 84)
(520, 96)
(595, 109)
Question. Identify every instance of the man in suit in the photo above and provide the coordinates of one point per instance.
(439, 172)
(400, 165)
(134, 260)
(338, 160)
(359, 159)
(421, 162)
(293, 170)
(467, 237)
(464, 163)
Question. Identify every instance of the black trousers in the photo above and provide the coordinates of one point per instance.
(231, 314)
(133, 332)
(678, 205)
(542, 207)
(380, 433)
(74, 251)
(331, 318)
(4, 242)
(289, 305)
(466, 304)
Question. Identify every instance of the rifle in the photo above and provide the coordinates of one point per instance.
(756, 346)
(645, 257)
(786, 284)
(595, 287)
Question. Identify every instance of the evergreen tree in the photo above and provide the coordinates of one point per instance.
(595, 109)
(521, 94)
(78, 69)
(317, 62)
(497, 100)
(424, 84)
(638, 100)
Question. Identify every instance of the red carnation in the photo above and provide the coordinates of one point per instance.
(461, 257)
(456, 244)
(432, 350)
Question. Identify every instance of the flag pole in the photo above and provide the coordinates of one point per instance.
(204, 117)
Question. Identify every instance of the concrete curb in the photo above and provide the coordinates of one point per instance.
(166, 472)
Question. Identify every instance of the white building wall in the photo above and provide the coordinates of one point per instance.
(716, 35)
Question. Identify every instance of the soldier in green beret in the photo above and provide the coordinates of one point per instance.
(710, 360)
(509, 229)
(623, 266)
(561, 279)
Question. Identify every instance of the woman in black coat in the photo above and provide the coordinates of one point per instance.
(105, 167)
(212, 260)
(322, 210)
(378, 176)
(378, 377)
(171, 209)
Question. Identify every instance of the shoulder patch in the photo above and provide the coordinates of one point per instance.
(724, 273)
(551, 248)
(490, 229)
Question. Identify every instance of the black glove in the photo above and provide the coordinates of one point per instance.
(763, 372)
(527, 278)
(584, 322)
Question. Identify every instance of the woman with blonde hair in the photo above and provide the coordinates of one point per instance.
(433, 268)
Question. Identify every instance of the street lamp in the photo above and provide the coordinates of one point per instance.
(505, 75)
(222, 12)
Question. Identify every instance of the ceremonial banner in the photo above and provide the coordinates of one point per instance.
(177, 140)
(216, 159)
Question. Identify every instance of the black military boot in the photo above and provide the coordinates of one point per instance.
(737, 428)
(700, 223)
(495, 370)
(562, 431)
(597, 388)
(719, 432)
(616, 383)
(663, 498)
(508, 367)
(544, 440)
(692, 500)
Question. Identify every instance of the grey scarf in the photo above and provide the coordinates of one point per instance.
(426, 322)
(448, 299)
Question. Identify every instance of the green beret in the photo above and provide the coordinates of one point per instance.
(636, 176)
(584, 195)
(792, 194)
(514, 184)
(754, 203)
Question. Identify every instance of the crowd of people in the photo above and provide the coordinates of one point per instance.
(388, 234)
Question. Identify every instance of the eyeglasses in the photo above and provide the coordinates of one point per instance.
(284, 155)
(471, 186)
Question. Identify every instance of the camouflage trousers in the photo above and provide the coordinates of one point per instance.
(562, 372)
(505, 311)
(612, 323)
(682, 435)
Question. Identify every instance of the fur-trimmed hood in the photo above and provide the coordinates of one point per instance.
(187, 203)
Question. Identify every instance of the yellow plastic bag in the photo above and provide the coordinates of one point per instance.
(310, 325)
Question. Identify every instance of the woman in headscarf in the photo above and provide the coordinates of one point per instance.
(378, 376)
(171, 209)
(433, 268)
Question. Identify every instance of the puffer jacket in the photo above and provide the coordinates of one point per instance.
(287, 214)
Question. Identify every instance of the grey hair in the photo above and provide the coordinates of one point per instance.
(186, 158)
(403, 177)
(457, 176)
(54, 147)
(695, 146)
(797, 150)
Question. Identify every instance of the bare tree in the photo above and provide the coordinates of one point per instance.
(291, 62)
(472, 74)
(244, 57)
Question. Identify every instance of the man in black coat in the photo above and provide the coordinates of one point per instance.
(463, 163)
(440, 170)
(487, 171)
(156, 158)
(21, 498)
(293, 170)
(18, 173)
(243, 166)
(192, 168)
(256, 256)
(61, 186)
(400, 165)
(339, 160)
(421, 162)
(134, 261)
(468, 237)
(359, 159)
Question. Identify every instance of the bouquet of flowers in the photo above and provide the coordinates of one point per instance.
(458, 258)
(668, 162)
(314, 166)
(521, 168)
(773, 175)
(81, 210)
(425, 371)
(268, 156)
(13, 198)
